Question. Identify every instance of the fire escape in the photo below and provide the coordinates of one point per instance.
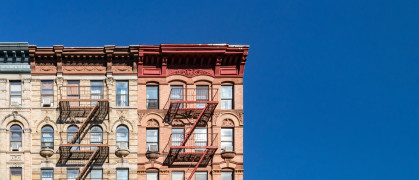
(191, 148)
(83, 106)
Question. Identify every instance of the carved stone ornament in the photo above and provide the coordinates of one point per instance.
(177, 122)
(164, 172)
(109, 81)
(190, 72)
(82, 69)
(216, 171)
(152, 123)
(15, 158)
(14, 164)
(121, 69)
(228, 123)
(140, 117)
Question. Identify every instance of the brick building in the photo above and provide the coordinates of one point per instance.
(170, 111)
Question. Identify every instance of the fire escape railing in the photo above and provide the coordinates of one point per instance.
(198, 105)
(86, 105)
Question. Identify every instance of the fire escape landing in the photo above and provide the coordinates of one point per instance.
(191, 149)
(85, 105)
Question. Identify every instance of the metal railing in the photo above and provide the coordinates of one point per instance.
(82, 93)
(192, 97)
(196, 142)
(87, 140)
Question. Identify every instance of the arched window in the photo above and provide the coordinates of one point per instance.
(122, 137)
(96, 136)
(47, 139)
(71, 131)
(16, 138)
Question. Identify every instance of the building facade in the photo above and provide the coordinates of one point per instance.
(190, 110)
(169, 111)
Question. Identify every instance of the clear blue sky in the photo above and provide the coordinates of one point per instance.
(331, 86)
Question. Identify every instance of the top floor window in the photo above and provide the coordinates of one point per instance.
(73, 92)
(15, 93)
(152, 97)
(122, 93)
(47, 93)
(227, 97)
(96, 91)
(202, 94)
(176, 93)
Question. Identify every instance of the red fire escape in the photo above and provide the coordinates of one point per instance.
(192, 149)
(83, 106)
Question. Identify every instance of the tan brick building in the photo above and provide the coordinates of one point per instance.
(170, 111)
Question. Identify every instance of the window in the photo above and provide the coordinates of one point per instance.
(47, 139)
(72, 174)
(122, 174)
(227, 97)
(15, 93)
(177, 137)
(96, 91)
(178, 175)
(176, 93)
(15, 138)
(122, 137)
(71, 131)
(47, 93)
(227, 175)
(152, 176)
(201, 176)
(227, 143)
(200, 139)
(152, 140)
(121, 93)
(202, 94)
(47, 174)
(96, 136)
(152, 100)
(96, 174)
(16, 173)
(73, 92)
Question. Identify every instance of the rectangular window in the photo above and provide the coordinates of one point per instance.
(200, 139)
(227, 143)
(152, 140)
(47, 93)
(178, 175)
(16, 173)
(176, 93)
(152, 176)
(201, 176)
(227, 97)
(72, 174)
(96, 91)
(15, 93)
(73, 92)
(122, 93)
(122, 174)
(47, 174)
(177, 137)
(202, 94)
(152, 100)
(96, 174)
(226, 175)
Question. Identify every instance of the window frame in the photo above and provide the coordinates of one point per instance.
(127, 132)
(92, 178)
(206, 174)
(93, 88)
(68, 178)
(42, 137)
(92, 135)
(227, 99)
(183, 174)
(122, 169)
(231, 172)
(16, 168)
(157, 142)
(15, 95)
(232, 136)
(150, 99)
(46, 94)
(16, 141)
(200, 88)
(118, 96)
(157, 173)
(42, 170)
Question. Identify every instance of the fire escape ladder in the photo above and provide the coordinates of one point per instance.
(84, 124)
(87, 165)
(194, 125)
(197, 165)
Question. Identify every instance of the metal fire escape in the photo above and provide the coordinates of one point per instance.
(192, 149)
(84, 106)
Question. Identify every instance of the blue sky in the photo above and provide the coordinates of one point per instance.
(331, 86)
